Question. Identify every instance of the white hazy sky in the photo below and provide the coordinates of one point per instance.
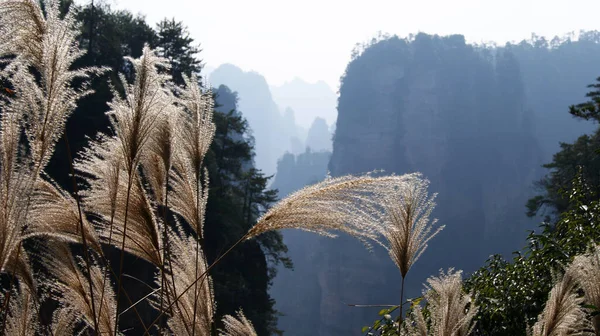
(312, 39)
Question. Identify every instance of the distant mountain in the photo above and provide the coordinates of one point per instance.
(319, 136)
(309, 101)
(296, 134)
(272, 132)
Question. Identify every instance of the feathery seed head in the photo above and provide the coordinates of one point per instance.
(195, 134)
(452, 310)
(135, 117)
(54, 213)
(562, 314)
(22, 27)
(237, 325)
(48, 44)
(407, 226)
(586, 271)
(22, 316)
(70, 285)
(346, 204)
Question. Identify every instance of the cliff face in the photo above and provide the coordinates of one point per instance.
(458, 115)
(477, 121)
(556, 73)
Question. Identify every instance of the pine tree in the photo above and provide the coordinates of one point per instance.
(175, 44)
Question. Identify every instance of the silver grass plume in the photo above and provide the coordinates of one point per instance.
(22, 317)
(40, 107)
(452, 310)
(195, 135)
(158, 159)
(195, 309)
(346, 204)
(143, 235)
(586, 271)
(562, 314)
(64, 321)
(103, 168)
(53, 213)
(134, 120)
(135, 117)
(13, 217)
(22, 27)
(18, 264)
(237, 325)
(16, 183)
(406, 225)
(101, 165)
(71, 287)
(415, 324)
(49, 44)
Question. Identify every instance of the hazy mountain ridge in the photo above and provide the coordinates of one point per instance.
(270, 131)
(309, 100)
(275, 126)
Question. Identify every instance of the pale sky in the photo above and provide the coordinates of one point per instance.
(313, 39)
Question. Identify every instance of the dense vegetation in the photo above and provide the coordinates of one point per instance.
(571, 191)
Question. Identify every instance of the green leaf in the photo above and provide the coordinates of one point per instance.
(416, 302)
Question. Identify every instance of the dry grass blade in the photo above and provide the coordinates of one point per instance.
(346, 204)
(71, 287)
(562, 314)
(191, 312)
(18, 264)
(237, 326)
